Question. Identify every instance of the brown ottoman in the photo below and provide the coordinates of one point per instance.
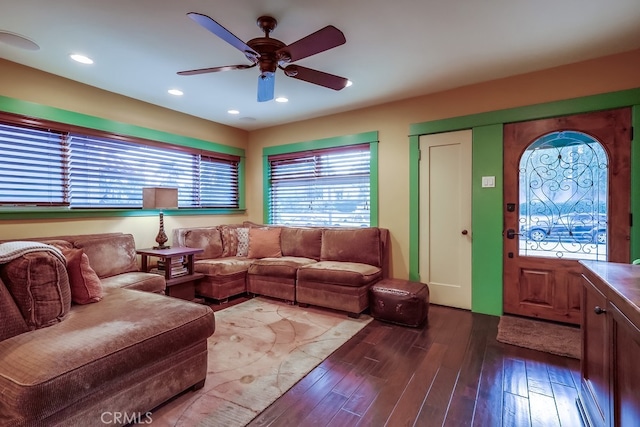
(399, 301)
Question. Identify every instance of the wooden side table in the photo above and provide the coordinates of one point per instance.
(180, 283)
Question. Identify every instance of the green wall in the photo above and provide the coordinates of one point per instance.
(487, 203)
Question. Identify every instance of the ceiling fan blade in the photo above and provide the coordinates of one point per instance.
(226, 35)
(323, 39)
(215, 69)
(266, 86)
(316, 77)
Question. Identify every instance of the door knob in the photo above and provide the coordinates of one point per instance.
(465, 232)
(599, 310)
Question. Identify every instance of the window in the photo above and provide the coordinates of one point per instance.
(563, 197)
(321, 187)
(42, 166)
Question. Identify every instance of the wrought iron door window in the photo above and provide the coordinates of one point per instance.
(563, 178)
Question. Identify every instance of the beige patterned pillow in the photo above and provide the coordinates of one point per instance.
(243, 241)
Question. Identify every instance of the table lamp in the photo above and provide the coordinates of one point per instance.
(160, 198)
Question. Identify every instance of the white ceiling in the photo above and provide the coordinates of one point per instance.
(395, 49)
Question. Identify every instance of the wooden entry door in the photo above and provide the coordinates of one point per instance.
(566, 198)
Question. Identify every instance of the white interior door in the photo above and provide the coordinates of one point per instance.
(445, 217)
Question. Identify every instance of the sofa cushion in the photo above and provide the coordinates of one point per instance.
(83, 280)
(341, 273)
(264, 243)
(11, 321)
(39, 285)
(110, 255)
(360, 245)
(222, 266)
(282, 267)
(301, 242)
(137, 280)
(207, 238)
(95, 348)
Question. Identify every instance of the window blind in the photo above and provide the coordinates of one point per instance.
(44, 167)
(321, 187)
(32, 169)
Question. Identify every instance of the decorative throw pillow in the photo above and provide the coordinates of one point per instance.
(39, 285)
(229, 240)
(243, 241)
(264, 243)
(85, 283)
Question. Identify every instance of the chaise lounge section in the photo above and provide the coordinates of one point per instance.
(106, 361)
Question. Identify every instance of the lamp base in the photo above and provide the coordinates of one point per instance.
(161, 238)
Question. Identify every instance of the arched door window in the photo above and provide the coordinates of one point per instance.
(563, 197)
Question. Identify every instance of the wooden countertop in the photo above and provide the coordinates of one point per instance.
(623, 284)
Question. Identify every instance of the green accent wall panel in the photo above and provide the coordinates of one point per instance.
(487, 221)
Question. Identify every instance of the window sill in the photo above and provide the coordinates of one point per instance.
(27, 213)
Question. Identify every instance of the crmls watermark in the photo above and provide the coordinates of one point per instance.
(123, 418)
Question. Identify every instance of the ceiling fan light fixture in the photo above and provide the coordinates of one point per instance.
(81, 58)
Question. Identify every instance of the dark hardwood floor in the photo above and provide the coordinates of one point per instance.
(452, 372)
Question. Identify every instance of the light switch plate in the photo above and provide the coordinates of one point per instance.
(488, 181)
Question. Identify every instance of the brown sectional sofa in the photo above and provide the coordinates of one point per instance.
(326, 267)
(99, 363)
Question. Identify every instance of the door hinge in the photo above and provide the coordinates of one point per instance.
(630, 220)
(631, 133)
(419, 155)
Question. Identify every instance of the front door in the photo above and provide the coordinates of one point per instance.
(566, 198)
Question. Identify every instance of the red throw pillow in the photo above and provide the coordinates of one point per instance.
(85, 283)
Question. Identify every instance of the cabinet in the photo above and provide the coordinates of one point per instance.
(177, 267)
(610, 365)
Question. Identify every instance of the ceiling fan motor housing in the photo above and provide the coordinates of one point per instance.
(266, 47)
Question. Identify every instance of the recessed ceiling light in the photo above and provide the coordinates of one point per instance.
(81, 58)
(233, 112)
(349, 83)
(282, 99)
(176, 92)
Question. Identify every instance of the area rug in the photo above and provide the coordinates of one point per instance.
(540, 335)
(259, 350)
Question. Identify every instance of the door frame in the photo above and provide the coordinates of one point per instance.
(487, 203)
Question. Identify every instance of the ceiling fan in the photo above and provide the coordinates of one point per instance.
(268, 54)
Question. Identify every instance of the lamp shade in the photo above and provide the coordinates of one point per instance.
(159, 198)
